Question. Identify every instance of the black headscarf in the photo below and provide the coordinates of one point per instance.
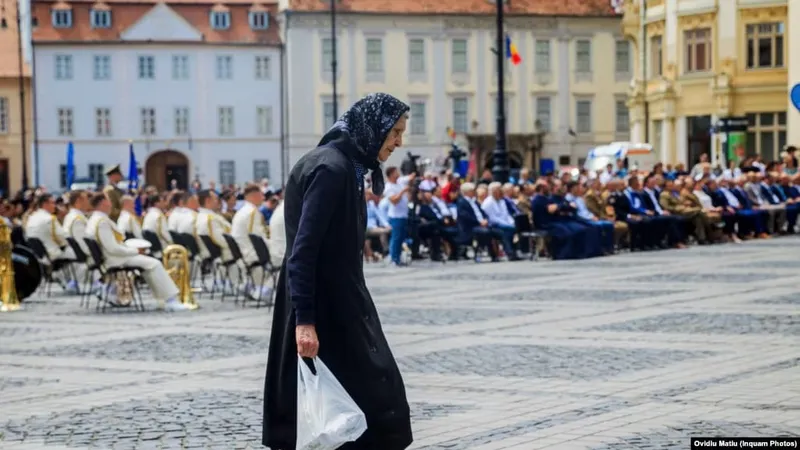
(367, 123)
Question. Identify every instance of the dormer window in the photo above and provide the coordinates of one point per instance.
(101, 18)
(259, 20)
(62, 18)
(220, 20)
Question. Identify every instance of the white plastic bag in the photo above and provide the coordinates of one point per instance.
(327, 417)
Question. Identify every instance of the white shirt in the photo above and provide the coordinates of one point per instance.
(497, 212)
(397, 210)
(128, 223)
(213, 225)
(110, 239)
(704, 198)
(75, 227)
(606, 176)
(277, 236)
(155, 221)
(248, 220)
(175, 216)
(43, 226)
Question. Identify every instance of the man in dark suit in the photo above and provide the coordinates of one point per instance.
(759, 218)
(643, 233)
(776, 196)
(472, 222)
(674, 225)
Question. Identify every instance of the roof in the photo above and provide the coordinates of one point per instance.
(127, 13)
(567, 8)
(9, 44)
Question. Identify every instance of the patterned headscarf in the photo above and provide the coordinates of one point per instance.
(368, 122)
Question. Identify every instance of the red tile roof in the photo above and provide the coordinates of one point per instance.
(583, 8)
(126, 13)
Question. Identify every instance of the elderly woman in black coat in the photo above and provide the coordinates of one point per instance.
(323, 306)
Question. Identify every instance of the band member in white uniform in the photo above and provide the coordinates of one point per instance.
(156, 221)
(249, 220)
(177, 209)
(117, 254)
(128, 221)
(75, 227)
(212, 224)
(43, 225)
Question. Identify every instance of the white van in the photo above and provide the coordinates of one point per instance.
(639, 155)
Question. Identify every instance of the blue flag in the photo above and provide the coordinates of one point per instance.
(70, 165)
(133, 171)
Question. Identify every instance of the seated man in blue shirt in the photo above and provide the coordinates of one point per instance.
(604, 228)
(499, 218)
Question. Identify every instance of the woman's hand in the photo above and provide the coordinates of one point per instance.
(307, 342)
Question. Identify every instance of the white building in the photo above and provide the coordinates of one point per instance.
(437, 56)
(195, 87)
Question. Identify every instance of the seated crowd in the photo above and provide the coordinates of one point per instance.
(62, 231)
(575, 217)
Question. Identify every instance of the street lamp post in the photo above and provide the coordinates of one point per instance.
(333, 61)
(500, 156)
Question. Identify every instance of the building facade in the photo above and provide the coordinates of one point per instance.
(195, 88)
(701, 62)
(12, 85)
(569, 90)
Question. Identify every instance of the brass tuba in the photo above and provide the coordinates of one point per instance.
(176, 261)
(8, 289)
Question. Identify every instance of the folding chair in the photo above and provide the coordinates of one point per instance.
(91, 269)
(52, 266)
(110, 272)
(155, 242)
(265, 263)
(236, 252)
(203, 266)
(525, 231)
(220, 268)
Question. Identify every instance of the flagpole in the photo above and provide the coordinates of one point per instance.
(500, 157)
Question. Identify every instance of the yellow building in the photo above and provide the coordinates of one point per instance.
(699, 62)
(11, 133)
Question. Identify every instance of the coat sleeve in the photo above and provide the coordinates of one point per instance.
(324, 189)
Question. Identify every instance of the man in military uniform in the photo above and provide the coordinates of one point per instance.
(597, 205)
(114, 194)
(679, 203)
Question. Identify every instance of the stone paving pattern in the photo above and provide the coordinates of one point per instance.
(634, 351)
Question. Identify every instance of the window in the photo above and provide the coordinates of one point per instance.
(225, 119)
(101, 19)
(264, 117)
(224, 67)
(220, 20)
(416, 56)
(259, 20)
(564, 160)
(327, 55)
(542, 61)
(227, 172)
(697, 44)
(766, 134)
(583, 116)
(460, 115)
(374, 56)
(459, 56)
(262, 68)
(102, 67)
(656, 56)
(180, 67)
(65, 124)
(260, 169)
(147, 67)
(765, 45)
(4, 115)
(102, 117)
(327, 116)
(148, 118)
(63, 67)
(181, 121)
(96, 172)
(544, 113)
(417, 118)
(623, 59)
(583, 56)
(623, 120)
(62, 175)
(62, 18)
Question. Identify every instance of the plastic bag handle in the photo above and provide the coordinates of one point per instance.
(305, 372)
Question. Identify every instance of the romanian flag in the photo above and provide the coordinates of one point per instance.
(451, 133)
(511, 52)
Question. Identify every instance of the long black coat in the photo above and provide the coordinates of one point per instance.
(322, 283)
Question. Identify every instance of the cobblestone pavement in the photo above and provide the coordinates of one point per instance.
(635, 351)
